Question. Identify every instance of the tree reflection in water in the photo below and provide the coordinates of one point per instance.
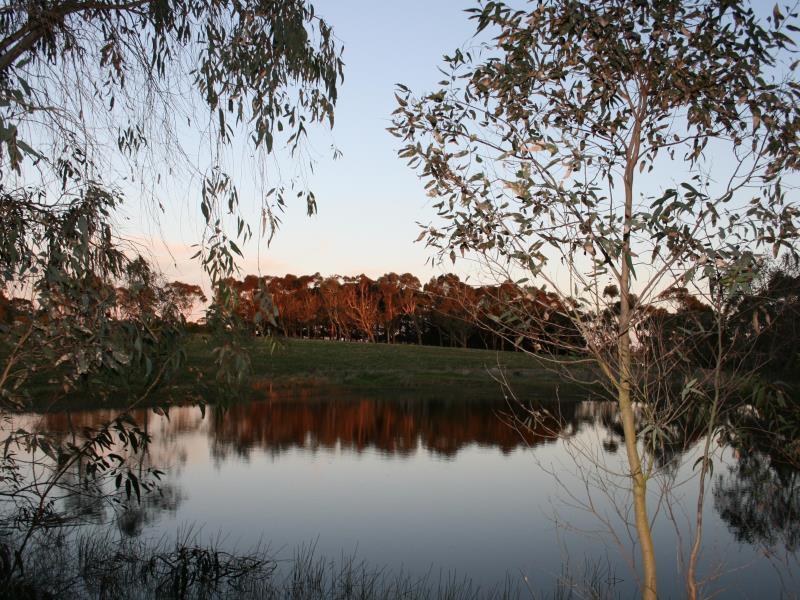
(758, 496)
(759, 499)
(132, 518)
(310, 420)
(306, 420)
(389, 426)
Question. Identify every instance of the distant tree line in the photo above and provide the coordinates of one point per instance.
(764, 323)
(141, 295)
(393, 308)
(446, 311)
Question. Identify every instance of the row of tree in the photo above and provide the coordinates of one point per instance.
(125, 302)
(447, 311)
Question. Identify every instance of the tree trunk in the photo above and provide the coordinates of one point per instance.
(649, 583)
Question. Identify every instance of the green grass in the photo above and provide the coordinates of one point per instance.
(395, 367)
(382, 369)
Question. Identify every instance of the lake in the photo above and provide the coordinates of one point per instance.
(448, 488)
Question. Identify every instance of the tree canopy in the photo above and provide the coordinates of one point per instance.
(98, 101)
(109, 94)
(581, 147)
(143, 101)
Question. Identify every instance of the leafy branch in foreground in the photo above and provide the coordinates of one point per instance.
(104, 101)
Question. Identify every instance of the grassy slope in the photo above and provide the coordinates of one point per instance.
(393, 367)
(382, 369)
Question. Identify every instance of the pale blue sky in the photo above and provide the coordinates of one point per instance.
(368, 200)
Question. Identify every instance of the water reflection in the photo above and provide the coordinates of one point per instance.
(427, 474)
(310, 422)
(393, 427)
(759, 499)
(132, 520)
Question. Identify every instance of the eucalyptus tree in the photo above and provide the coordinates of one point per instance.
(151, 98)
(102, 99)
(102, 103)
(186, 296)
(641, 145)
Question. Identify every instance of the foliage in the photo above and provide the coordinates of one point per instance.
(262, 66)
(92, 98)
(74, 332)
(97, 103)
(766, 318)
(67, 261)
(191, 569)
(577, 147)
(445, 311)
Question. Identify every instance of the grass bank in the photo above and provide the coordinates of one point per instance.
(285, 365)
(93, 567)
(395, 367)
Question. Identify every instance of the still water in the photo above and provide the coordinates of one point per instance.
(450, 488)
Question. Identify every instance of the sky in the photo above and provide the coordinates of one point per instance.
(369, 201)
